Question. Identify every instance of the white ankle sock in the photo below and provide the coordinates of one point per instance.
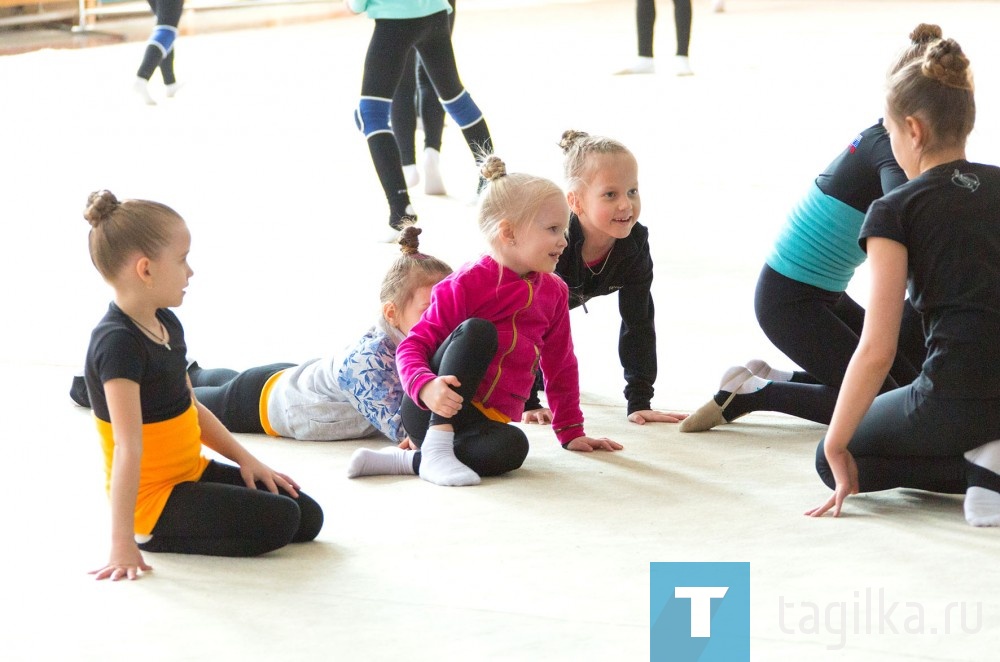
(411, 175)
(438, 463)
(762, 369)
(982, 505)
(433, 184)
(682, 66)
(641, 65)
(173, 88)
(392, 461)
(141, 88)
(753, 385)
(739, 379)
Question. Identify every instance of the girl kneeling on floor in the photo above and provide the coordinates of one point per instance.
(939, 235)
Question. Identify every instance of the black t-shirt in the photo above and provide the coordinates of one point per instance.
(119, 349)
(864, 171)
(949, 220)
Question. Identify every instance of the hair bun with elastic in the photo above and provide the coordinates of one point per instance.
(100, 205)
(408, 241)
(493, 168)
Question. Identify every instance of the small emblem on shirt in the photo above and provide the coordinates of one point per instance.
(854, 144)
(965, 180)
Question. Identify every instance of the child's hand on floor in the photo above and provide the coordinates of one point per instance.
(652, 416)
(588, 444)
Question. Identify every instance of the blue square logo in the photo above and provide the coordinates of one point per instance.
(699, 612)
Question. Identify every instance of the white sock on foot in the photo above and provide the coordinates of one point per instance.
(173, 88)
(392, 461)
(433, 184)
(641, 65)
(762, 369)
(438, 463)
(141, 88)
(682, 66)
(982, 505)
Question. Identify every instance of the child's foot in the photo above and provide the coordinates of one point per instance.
(735, 381)
(982, 497)
(141, 89)
(433, 184)
(173, 89)
(682, 66)
(438, 463)
(392, 461)
(761, 369)
(641, 65)
(411, 175)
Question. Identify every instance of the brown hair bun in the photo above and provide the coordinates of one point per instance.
(946, 63)
(408, 242)
(100, 205)
(925, 33)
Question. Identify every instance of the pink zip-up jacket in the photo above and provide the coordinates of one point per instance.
(531, 314)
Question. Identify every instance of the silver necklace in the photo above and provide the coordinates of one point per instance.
(604, 264)
(160, 338)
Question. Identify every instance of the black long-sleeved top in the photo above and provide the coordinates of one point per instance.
(628, 271)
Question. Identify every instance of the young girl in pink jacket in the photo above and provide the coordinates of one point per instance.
(469, 364)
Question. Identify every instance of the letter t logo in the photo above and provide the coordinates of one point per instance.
(701, 606)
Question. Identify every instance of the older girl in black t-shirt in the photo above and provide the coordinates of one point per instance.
(939, 234)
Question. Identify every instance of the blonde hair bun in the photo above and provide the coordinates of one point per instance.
(493, 168)
(571, 137)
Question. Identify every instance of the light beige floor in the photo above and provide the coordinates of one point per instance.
(258, 152)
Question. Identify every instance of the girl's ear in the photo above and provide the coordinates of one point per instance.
(390, 313)
(916, 131)
(573, 200)
(143, 272)
(506, 231)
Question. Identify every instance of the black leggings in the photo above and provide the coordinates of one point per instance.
(910, 439)
(645, 18)
(220, 516)
(234, 397)
(488, 447)
(819, 330)
(167, 12)
(415, 94)
(391, 42)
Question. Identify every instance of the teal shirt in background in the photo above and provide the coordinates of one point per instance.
(398, 9)
(818, 244)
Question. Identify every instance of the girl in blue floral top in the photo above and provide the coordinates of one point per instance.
(344, 397)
